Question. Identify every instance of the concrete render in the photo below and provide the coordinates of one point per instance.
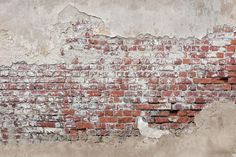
(28, 29)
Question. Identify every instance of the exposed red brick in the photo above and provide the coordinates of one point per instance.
(220, 55)
(84, 125)
(118, 113)
(182, 113)
(205, 48)
(232, 80)
(68, 111)
(46, 124)
(232, 74)
(108, 113)
(106, 95)
(127, 113)
(233, 42)
(126, 120)
(163, 113)
(108, 119)
(183, 74)
(231, 67)
(186, 61)
(207, 81)
(161, 120)
(230, 48)
(117, 93)
(120, 126)
(136, 113)
(94, 93)
(144, 107)
(200, 100)
(183, 120)
(167, 93)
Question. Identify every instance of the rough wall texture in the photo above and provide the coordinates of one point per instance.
(26, 30)
(105, 82)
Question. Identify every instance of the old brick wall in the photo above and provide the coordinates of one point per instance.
(111, 80)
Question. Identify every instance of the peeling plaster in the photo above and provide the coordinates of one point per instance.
(34, 38)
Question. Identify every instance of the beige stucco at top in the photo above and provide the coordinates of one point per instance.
(26, 24)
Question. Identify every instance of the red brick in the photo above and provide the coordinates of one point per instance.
(231, 67)
(46, 124)
(118, 113)
(191, 113)
(107, 119)
(220, 55)
(231, 61)
(163, 113)
(233, 42)
(232, 80)
(186, 61)
(144, 107)
(229, 54)
(167, 93)
(73, 133)
(207, 81)
(230, 48)
(200, 100)
(182, 113)
(178, 62)
(136, 113)
(214, 48)
(175, 126)
(205, 48)
(183, 87)
(127, 113)
(100, 113)
(192, 74)
(108, 113)
(183, 120)
(232, 74)
(185, 81)
(68, 111)
(100, 126)
(117, 93)
(93, 41)
(94, 93)
(120, 126)
(154, 80)
(84, 125)
(160, 120)
(183, 74)
(126, 120)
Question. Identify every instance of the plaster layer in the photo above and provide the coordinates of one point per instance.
(27, 26)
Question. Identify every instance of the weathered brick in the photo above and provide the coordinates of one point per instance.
(183, 120)
(94, 93)
(68, 111)
(144, 107)
(46, 124)
(232, 80)
(126, 120)
(108, 119)
(231, 67)
(84, 125)
(160, 120)
(230, 48)
(105, 93)
(117, 93)
(233, 42)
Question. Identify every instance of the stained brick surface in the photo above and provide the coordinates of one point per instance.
(168, 79)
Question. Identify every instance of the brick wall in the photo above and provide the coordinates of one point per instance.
(111, 80)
